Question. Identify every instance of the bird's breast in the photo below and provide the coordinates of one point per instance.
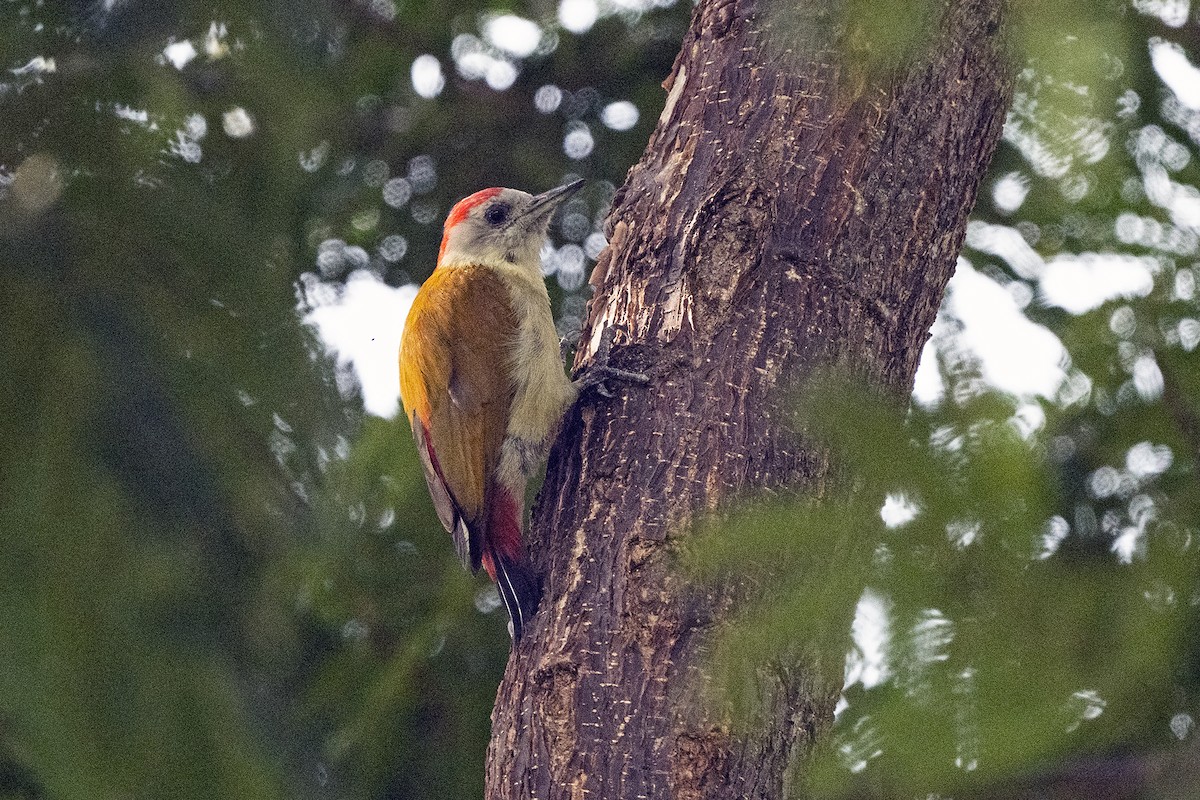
(543, 390)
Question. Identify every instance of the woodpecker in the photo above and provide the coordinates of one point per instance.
(483, 384)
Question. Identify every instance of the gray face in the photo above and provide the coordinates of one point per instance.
(508, 227)
(507, 223)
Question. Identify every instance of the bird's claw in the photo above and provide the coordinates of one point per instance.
(606, 373)
(599, 371)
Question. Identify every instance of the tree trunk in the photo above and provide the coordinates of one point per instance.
(791, 211)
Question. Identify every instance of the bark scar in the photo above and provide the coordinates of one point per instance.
(800, 269)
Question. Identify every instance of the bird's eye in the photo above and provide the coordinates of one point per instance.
(496, 214)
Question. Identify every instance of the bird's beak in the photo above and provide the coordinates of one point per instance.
(543, 205)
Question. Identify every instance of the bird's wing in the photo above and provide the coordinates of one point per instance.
(457, 393)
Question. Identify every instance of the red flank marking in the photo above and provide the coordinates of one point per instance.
(504, 525)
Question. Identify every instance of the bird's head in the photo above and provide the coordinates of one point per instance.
(501, 226)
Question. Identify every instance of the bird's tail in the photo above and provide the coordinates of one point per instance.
(519, 590)
(504, 559)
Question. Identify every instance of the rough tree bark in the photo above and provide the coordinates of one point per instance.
(789, 212)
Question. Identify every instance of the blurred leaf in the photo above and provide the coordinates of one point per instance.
(222, 578)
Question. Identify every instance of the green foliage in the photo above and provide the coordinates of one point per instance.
(999, 650)
(875, 37)
(221, 578)
(1032, 602)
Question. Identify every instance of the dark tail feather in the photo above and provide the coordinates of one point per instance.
(519, 589)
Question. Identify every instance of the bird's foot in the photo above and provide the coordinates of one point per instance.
(598, 371)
